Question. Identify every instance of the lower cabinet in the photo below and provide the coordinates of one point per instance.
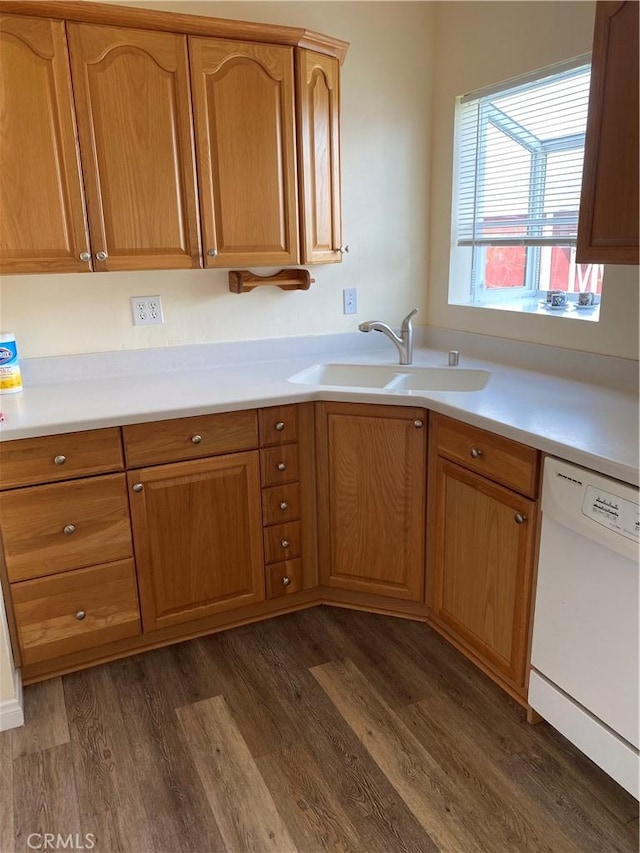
(371, 498)
(197, 530)
(481, 546)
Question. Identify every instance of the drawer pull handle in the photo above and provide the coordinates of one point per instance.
(520, 518)
(196, 439)
(59, 460)
(80, 615)
(138, 487)
(280, 426)
(418, 424)
(282, 466)
(68, 529)
(475, 453)
(285, 543)
(286, 581)
(284, 505)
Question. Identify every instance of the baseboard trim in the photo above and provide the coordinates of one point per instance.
(11, 710)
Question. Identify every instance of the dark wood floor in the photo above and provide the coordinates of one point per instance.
(324, 730)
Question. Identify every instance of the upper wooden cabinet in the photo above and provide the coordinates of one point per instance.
(42, 219)
(134, 120)
(244, 117)
(318, 86)
(608, 226)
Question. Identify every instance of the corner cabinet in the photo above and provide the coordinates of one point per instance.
(483, 528)
(608, 225)
(264, 128)
(371, 498)
(42, 215)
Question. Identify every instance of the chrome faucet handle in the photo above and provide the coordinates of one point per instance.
(407, 320)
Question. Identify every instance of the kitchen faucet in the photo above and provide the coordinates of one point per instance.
(403, 342)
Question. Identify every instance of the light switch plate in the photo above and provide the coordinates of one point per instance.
(350, 300)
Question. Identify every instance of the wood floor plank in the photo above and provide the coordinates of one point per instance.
(417, 778)
(103, 765)
(45, 796)
(243, 807)
(45, 719)
(165, 777)
(6, 794)
(307, 801)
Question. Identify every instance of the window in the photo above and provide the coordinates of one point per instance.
(519, 153)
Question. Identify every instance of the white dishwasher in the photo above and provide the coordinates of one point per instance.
(585, 659)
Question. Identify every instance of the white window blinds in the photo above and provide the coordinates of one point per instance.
(520, 152)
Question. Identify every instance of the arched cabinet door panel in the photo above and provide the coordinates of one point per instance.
(243, 101)
(318, 82)
(134, 120)
(42, 219)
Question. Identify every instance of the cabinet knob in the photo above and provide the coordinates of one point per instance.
(282, 466)
(101, 256)
(284, 505)
(286, 581)
(80, 615)
(213, 253)
(196, 439)
(68, 529)
(280, 426)
(284, 543)
(418, 424)
(343, 249)
(138, 487)
(520, 518)
(59, 460)
(475, 453)
(85, 256)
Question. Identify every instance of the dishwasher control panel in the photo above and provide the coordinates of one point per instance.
(612, 511)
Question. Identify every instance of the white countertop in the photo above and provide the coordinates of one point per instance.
(591, 425)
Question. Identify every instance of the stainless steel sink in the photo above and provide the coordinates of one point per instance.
(394, 377)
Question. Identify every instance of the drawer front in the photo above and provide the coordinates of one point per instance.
(508, 462)
(76, 610)
(282, 542)
(49, 529)
(280, 503)
(60, 457)
(279, 465)
(189, 438)
(284, 578)
(278, 425)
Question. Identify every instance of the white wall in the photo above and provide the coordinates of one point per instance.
(386, 86)
(481, 43)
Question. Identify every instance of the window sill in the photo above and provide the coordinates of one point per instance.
(536, 306)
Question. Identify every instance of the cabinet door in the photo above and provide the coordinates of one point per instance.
(245, 138)
(134, 119)
(197, 531)
(608, 227)
(371, 498)
(42, 219)
(480, 566)
(318, 79)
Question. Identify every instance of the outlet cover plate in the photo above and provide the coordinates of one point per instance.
(147, 311)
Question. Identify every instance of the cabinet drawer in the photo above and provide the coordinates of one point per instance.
(278, 425)
(59, 457)
(280, 503)
(189, 438)
(282, 542)
(55, 528)
(508, 462)
(76, 610)
(279, 465)
(284, 578)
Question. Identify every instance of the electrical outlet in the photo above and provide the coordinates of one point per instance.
(350, 300)
(147, 311)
